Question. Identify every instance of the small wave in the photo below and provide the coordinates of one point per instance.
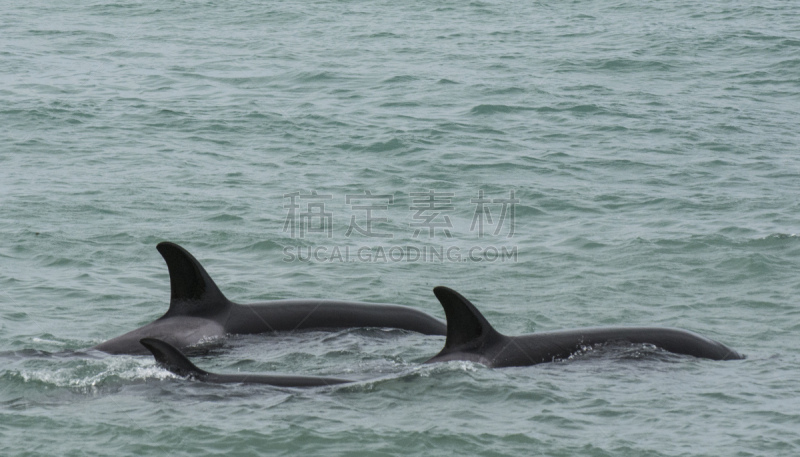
(493, 109)
(445, 367)
(224, 217)
(635, 65)
(399, 104)
(89, 373)
(263, 246)
(400, 79)
(308, 77)
(390, 145)
(46, 341)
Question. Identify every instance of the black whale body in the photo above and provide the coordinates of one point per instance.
(470, 337)
(198, 311)
(176, 362)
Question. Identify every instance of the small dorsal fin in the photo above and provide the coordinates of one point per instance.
(465, 324)
(193, 291)
(172, 359)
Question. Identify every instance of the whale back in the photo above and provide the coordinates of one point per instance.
(172, 359)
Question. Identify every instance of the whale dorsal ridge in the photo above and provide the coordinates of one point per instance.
(193, 292)
(465, 324)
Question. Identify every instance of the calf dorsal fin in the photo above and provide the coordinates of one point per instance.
(172, 359)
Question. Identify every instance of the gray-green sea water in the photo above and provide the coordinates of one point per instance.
(562, 164)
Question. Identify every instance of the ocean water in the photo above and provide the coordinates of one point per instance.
(561, 164)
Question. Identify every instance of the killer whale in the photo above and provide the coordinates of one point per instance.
(198, 312)
(175, 361)
(470, 337)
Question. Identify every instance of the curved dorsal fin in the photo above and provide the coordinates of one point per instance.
(171, 358)
(465, 324)
(193, 291)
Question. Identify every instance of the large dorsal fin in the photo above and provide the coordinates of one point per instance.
(171, 358)
(193, 291)
(466, 326)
